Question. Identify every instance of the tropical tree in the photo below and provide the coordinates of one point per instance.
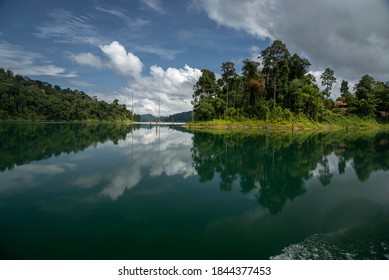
(327, 80)
(298, 67)
(345, 93)
(228, 73)
(254, 85)
(364, 89)
(383, 98)
(205, 87)
(365, 105)
(276, 69)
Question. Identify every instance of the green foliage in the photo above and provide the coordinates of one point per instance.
(344, 90)
(382, 92)
(298, 67)
(25, 99)
(365, 92)
(204, 110)
(205, 87)
(283, 84)
(276, 70)
(362, 107)
(364, 89)
(328, 79)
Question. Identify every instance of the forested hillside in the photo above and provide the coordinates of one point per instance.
(179, 117)
(25, 99)
(281, 87)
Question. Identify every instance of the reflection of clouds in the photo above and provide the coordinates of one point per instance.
(171, 165)
(249, 224)
(51, 169)
(121, 180)
(26, 175)
(152, 152)
(333, 161)
(160, 151)
(88, 181)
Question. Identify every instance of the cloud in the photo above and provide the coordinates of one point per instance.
(154, 5)
(169, 91)
(87, 59)
(126, 64)
(255, 52)
(348, 36)
(65, 27)
(29, 63)
(166, 54)
(132, 23)
(80, 84)
(248, 17)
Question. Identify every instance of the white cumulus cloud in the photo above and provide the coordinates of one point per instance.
(164, 91)
(126, 64)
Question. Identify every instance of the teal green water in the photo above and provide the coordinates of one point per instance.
(114, 191)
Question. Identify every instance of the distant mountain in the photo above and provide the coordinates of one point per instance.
(179, 117)
(147, 118)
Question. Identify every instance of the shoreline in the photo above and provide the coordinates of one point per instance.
(285, 126)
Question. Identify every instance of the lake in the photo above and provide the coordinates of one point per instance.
(118, 191)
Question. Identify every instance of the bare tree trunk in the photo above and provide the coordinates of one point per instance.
(274, 95)
(227, 100)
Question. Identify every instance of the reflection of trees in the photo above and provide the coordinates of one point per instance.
(278, 163)
(368, 152)
(325, 173)
(21, 143)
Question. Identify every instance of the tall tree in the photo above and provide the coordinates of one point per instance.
(254, 85)
(365, 87)
(327, 80)
(298, 67)
(228, 73)
(205, 87)
(344, 88)
(383, 98)
(276, 69)
(205, 96)
(345, 93)
(365, 105)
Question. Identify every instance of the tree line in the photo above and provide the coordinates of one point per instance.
(25, 99)
(281, 85)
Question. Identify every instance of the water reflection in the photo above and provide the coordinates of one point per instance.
(277, 165)
(150, 152)
(146, 192)
(21, 143)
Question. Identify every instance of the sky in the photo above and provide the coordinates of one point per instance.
(149, 53)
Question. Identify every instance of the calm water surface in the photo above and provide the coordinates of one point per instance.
(114, 191)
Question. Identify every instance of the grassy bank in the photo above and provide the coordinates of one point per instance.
(330, 121)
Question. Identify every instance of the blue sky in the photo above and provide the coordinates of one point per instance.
(155, 49)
